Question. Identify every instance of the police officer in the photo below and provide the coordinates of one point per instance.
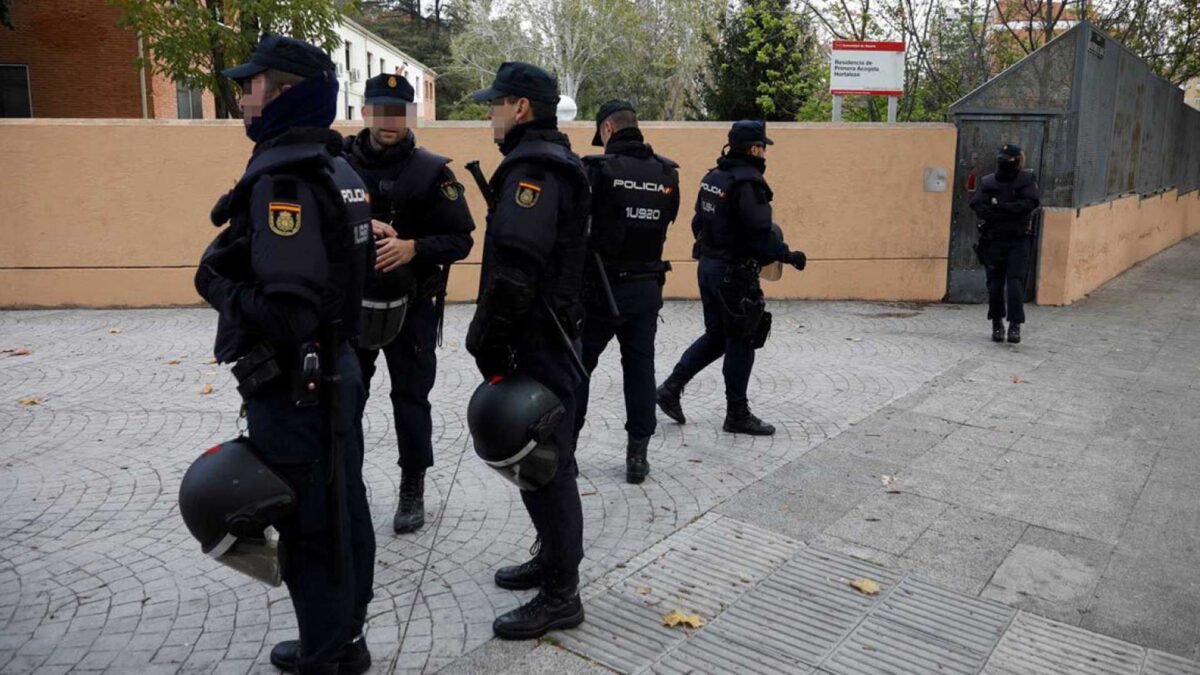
(422, 222)
(635, 197)
(1004, 204)
(528, 313)
(735, 236)
(286, 278)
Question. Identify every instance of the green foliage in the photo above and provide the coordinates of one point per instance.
(6, 15)
(192, 41)
(762, 63)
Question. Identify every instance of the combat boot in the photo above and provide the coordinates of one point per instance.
(667, 397)
(523, 577)
(739, 420)
(410, 514)
(354, 658)
(556, 606)
(637, 467)
(997, 330)
(1014, 333)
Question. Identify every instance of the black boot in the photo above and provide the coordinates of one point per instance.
(997, 330)
(1014, 333)
(354, 658)
(556, 606)
(636, 465)
(410, 514)
(523, 577)
(667, 397)
(739, 420)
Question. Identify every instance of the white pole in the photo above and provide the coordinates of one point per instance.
(837, 108)
(893, 105)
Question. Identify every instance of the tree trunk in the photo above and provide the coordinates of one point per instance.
(226, 103)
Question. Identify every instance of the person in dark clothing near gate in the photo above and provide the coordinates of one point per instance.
(735, 237)
(1004, 204)
(635, 197)
(421, 221)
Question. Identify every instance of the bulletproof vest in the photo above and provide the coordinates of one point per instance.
(720, 234)
(562, 283)
(1005, 192)
(632, 202)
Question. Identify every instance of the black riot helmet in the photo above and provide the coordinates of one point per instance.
(229, 499)
(384, 306)
(512, 420)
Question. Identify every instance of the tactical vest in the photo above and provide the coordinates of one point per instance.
(1005, 192)
(562, 283)
(721, 236)
(633, 200)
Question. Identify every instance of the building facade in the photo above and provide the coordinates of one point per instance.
(70, 59)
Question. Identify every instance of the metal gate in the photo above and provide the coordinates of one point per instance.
(979, 139)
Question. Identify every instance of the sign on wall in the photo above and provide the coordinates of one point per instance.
(866, 68)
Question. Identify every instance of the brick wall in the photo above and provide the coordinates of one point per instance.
(80, 63)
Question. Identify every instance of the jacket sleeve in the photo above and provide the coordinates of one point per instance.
(754, 215)
(1027, 199)
(450, 213)
(676, 199)
(289, 264)
(981, 204)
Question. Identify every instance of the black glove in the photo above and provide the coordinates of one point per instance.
(220, 211)
(796, 259)
(493, 361)
(205, 276)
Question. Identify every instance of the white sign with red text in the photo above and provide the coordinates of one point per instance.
(866, 68)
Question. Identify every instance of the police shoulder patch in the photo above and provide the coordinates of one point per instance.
(450, 190)
(283, 218)
(528, 194)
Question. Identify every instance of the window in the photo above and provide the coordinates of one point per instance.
(349, 112)
(382, 67)
(14, 92)
(189, 102)
(346, 53)
(370, 56)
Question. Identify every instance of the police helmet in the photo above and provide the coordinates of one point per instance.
(384, 306)
(512, 420)
(229, 499)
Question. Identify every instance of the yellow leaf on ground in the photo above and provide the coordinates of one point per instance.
(208, 389)
(32, 400)
(212, 360)
(174, 362)
(865, 586)
(1017, 379)
(115, 331)
(643, 590)
(676, 617)
(18, 352)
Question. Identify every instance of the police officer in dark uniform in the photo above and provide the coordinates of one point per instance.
(528, 316)
(1004, 204)
(735, 236)
(422, 222)
(286, 278)
(635, 197)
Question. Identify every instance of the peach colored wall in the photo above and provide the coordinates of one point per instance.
(1082, 249)
(134, 219)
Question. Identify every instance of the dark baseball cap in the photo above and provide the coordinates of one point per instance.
(388, 89)
(607, 110)
(282, 53)
(749, 131)
(525, 80)
(1010, 150)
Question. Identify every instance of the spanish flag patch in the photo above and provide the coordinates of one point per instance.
(284, 218)
(528, 194)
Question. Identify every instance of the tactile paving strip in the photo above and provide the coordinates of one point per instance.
(1036, 645)
(1158, 663)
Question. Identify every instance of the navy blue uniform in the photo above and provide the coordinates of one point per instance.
(284, 274)
(635, 197)
(1005, 207)
(533, 258)
(416, 192)
(735, 235)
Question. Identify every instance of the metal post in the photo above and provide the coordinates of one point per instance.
(893, 105)
(837, 108)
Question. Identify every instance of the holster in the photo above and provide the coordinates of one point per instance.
(762, 331)
(254, 370)
(743, 302)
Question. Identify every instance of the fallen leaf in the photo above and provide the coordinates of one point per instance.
(887, 480)
(643, 590)
(206, 390)
(1017, 379)
(865, 586)
(211, 361)
(854, 339)
(17, 352)
(32, 400)
(211, 373)
(587, 494)
(695, 461)
(174, 362)
(115, 331)
(676, 617)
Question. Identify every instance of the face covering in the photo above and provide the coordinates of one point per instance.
(312, 103)
(1007, 167)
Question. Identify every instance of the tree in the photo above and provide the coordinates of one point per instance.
(1166, 33)
(6, 15)
(761, 64)
(192, 41)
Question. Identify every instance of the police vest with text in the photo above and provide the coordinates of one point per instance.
(720, 235)
(1005, 192)
(634, 199)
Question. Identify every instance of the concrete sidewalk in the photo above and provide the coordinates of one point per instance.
(971, 480)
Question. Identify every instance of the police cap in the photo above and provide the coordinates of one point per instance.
(753, 132)
(524, 80)
(1010, 150)
(607, 110)
(389, 89)
(282, 53)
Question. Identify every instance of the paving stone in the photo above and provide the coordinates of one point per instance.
(1050, 573)
(962, 548)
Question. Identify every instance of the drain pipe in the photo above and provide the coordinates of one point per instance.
(142, 77)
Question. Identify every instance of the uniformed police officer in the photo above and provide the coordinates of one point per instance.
(286, 278)
(421, 221)
(735, 236)
(529, 310)
(635, 197)
(1004, 204)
